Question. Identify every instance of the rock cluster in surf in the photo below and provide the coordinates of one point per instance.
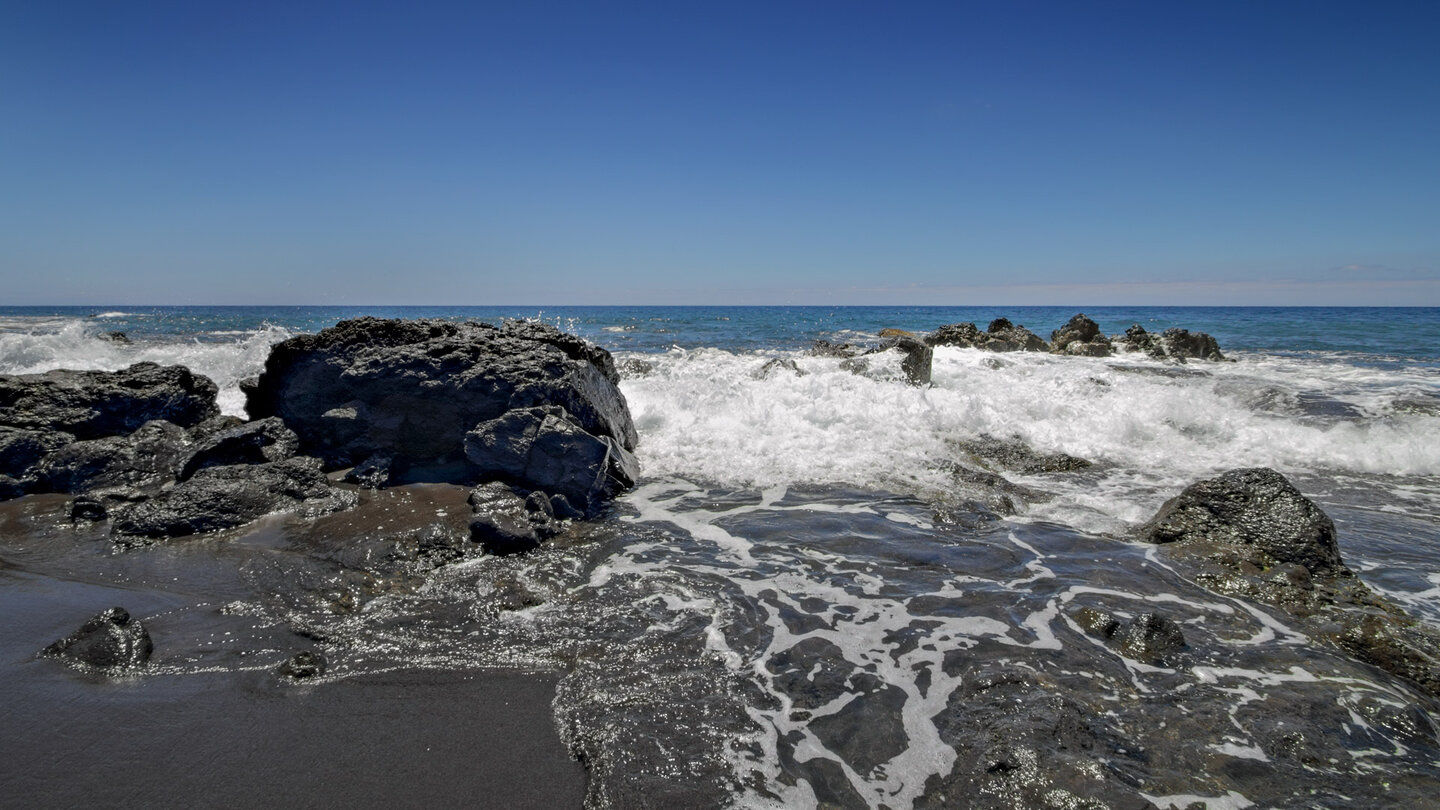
(1079, 336)
(530, 413)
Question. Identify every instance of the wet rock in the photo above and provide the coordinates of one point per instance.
(413, 389)
(1184, 343)
(372, 473)
(1013, 454)
(96, 404)
(1150, 639)
(1136, 339)
(86, 507)
(224, 497)
(962, 335)
(20, 449)
(117, 337)
(544, 448)
(1003, 336)
(824, 348)
(111, 640)
(145, 459)
(632, 367)
(1257, 510)
(918, 360)
(500, 522)
(776, 366)
(1248, 533)
(1080, 336)
(255, 442)
(302, 665)
(10, 488)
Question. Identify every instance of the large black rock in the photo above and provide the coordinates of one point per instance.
(412, 389)
(145, 459)
(95, 404)
(1255, 509)
(110, 640)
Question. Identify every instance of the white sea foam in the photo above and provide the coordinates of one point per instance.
(77, 345)
(1150, 428)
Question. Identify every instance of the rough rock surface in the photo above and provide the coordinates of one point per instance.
(147, 458)
(223, 497)
(111, 640)
(1173, 344)
(1000, 336)
(1080, 336)
(1013, 454)
(1250, 533)
(543, 448)
(504, 523)
(414, 389)
(21, 449)
(1148, 638)
(1256, 511)
(96, 404)
(257, 442)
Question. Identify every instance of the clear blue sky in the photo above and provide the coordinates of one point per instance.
(611, 153)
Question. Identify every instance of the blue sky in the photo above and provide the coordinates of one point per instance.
(737, 153)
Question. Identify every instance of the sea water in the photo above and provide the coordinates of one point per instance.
(801, 606)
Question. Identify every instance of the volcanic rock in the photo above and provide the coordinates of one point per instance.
(1080, 336)
(111, 640)
(413, 390)
(223, 497)
(255, 442)
(145, 459)
(501, 521)
(96, 404)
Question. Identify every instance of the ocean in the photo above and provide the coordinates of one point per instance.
(802, 605)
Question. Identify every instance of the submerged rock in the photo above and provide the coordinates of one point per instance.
(413, 390)
(96, 404)
(1013, 454)
(776, 366)
(1250, 533)
(111, 640)
(302, 665)
(224, 497)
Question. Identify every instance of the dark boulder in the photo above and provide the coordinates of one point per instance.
(414, 389)
(1003, 336)
(21, 449)
(504, 523)
(777, 366)
(224, 497)
(96, 404)
(961, 335)
(145, 459)
(111, 640)
(10, 487)
(302, 665)
(544, 448)
(1013, 454)
(1184, 343)
(1256, 511)
(1080, 336)
(824, 348)
(919, 358)
(1148, 638)
(257, 442)
(372, 473)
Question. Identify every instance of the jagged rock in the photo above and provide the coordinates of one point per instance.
(302, 665)
(111, 640)
(1003, 336)
(255, 442)
(543, 448)
(962, 335)
(632, 367)
(500, 522)
(21, 449)
(891, 333)
(1257, 510)
(777, 365)
(1016, 455)
(145, 459)
(96, 404)
(414, 389)
(1080, 336)
(223, 497)
(372, 473)
(919, 359)
(1184, 343)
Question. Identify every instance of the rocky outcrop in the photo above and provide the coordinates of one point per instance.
(112, 640)
(1172, 344)
(504, 523)
(1250, 533)
(1080, 336)
(1000, 336)
(416, 390)
(96, 404)
(145, 459)
(217, 498)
